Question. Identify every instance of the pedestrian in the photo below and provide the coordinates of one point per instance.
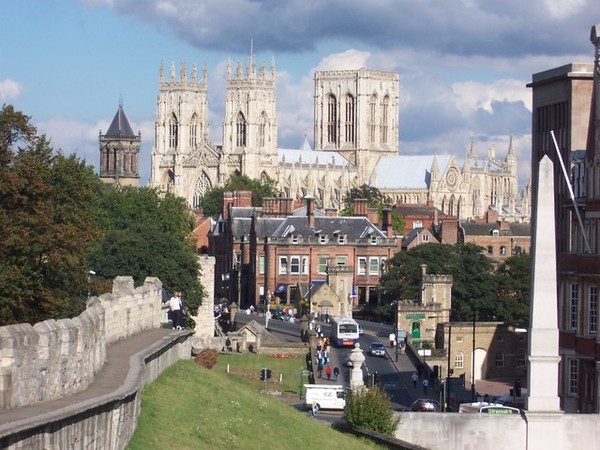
(326, 317)
(320, 368)
(425, 385)
(314, 410)
(392, 339)
(176, 308)
(414, 377)
(328, 372)
(336, 373)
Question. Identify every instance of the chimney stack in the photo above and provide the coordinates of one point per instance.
(386, 223)
(360, 207)
(310, 210)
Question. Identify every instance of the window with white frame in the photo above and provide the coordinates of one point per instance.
(342, 239)
(417, 224)
(593, 310)
(341, 260)
(294, 239)
(425, 237)
(573, 306)
(383, 265)
(459, 361)
(373, 266)
(283, 265)
(323, 238)
(503, 250)
(362, 265)
(305, 265)
(499, 359)
(294, 265)
(573, 376)
(323, 260)
(373, 240)
(261, 264)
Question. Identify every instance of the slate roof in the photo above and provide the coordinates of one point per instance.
(120, 127)
(414, 234)
(352, 227)
(485, 229)
(307, 156)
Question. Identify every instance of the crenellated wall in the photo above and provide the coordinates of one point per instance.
(55, 358)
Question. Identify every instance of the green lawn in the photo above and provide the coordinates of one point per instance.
(191, 407)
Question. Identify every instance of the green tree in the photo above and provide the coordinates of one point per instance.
(45, 226)
(147, 235)
(212, 201)
(475, 284)
(370, 409)
(375, 199)
(514, 283)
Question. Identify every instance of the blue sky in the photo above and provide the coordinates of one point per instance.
(463, 64)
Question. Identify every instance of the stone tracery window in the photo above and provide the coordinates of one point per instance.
(372, 117)
(262, 129)
(203, 184)
(385, 111)
(173, 131)
(350, 121)
(332, 119)
(193, 131)
(240, 130)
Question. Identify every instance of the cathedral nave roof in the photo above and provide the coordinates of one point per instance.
(407, 171)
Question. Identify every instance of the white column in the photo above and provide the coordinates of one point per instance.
(543, 333)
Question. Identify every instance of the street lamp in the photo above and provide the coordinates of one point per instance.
(90, 272)
(473, 364)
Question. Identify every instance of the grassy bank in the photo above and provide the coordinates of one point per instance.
(191, 407)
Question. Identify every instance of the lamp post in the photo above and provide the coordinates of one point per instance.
(397, 331)
(90, 272)
(448, 371)
(473, 363)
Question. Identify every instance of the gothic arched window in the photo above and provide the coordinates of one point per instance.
(350, 125)
(385, 111)
(173, 132)
(262, 129)
(203, 184)
(194, 131)
(372, 117)
(332, 119)
(240, 130)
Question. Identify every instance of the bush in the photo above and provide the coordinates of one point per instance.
(207, 358)
(370, 409)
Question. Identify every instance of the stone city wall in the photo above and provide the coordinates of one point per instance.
(55, 358)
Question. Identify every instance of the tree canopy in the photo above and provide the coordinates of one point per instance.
(478, 288)
(375, 199)
(46, 224)
(212, 200)
(147, 234)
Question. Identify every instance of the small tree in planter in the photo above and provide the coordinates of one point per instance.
(370, 409)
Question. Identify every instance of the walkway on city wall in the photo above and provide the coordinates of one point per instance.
(130, 364)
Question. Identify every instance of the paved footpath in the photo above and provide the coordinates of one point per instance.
(110, 378)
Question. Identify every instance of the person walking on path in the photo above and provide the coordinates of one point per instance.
(336, 373)
(392, 339)
(314, 410)
(176, 307)
(425, 385)
(328, 372)
(414, 377)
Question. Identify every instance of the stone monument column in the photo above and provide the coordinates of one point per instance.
(543, 332)
(356, 375)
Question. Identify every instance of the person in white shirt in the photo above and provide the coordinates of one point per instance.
(176, 307)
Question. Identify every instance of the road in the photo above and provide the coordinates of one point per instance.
(394, 377)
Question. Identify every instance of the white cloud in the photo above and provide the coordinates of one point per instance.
(10, 90)
(347, 60)
(561, 9)
(471, 96)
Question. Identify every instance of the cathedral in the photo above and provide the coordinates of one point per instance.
(356, 138)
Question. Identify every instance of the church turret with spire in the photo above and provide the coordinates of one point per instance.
(120, 152)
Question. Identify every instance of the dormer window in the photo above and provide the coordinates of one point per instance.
(295, 239)
(323, 239)
(342, 239)
(374, 240)
(495, 232)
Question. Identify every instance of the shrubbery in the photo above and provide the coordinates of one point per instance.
(370, 409)
(207, 358)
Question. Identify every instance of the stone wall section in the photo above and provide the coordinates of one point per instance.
(55, 358)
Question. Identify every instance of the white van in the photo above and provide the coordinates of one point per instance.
(326, 396)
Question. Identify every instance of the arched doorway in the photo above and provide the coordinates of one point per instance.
(480, 355)
(415, 330)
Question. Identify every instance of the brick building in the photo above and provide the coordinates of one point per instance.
(268, 252)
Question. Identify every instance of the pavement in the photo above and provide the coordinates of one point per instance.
(111, 377)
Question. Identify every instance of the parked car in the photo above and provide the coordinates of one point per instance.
(425, 405)
(377, 349)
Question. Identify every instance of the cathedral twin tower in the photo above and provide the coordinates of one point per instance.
(355, 122)
(355, 142)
